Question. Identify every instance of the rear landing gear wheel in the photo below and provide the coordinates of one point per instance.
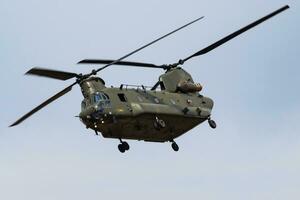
(121, 148)
(212, 123)
(175, 147)
(126, 146)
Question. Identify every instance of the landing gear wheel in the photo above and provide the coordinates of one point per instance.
(212, 123)
(121, 148)
(175, 147)
(126, 146)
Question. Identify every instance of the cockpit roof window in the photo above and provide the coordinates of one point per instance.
(100, 96)
(104, 96)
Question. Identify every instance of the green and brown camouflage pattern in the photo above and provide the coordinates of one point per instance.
(133, 115)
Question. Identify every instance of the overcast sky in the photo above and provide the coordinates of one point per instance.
(253, 79)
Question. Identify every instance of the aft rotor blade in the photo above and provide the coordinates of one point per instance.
(49, 73)
(156, 85)
(127, 63)
(94, 72)
(235, 34)
(45, 103)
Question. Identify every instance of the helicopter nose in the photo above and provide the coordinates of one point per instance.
(97, 114)
(102, 110)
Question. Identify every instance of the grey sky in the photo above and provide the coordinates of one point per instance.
(254, 81)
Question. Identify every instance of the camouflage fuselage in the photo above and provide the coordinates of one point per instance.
(132, 113)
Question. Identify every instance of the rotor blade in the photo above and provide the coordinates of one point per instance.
(45, 103)
(94, 72)
(156, 85)
(61, 75)
(235, 34)
(129, 63)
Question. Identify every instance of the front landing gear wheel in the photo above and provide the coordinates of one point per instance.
(175, 147)
(124, 146)
(212, 123)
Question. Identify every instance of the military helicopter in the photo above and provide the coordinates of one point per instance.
(172, 107)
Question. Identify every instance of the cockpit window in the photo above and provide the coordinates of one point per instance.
(101, 99)
(104, 96)
(97, 98)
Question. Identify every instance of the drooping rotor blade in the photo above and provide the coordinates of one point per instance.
(94, 72)
(235, 34)
(45, 103)
(156, 85)
(49, 73)
(129, 63)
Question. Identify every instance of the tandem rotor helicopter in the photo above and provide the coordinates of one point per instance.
(170, 108)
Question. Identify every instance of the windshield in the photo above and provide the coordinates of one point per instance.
(101, 99)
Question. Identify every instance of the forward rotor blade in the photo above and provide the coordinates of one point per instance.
(45, 103)
(94, 72)
(129, 63)
(49, 73)
(235, 34)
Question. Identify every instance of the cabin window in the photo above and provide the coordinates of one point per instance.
(122, 97)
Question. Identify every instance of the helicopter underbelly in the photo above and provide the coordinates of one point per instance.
(149, 121)
(143, 128)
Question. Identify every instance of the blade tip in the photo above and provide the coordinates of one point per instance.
(85, 61)
(15, 123)
(28, 72)
(12, 125)
(285, 7)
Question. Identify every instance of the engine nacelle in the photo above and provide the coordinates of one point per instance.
(186, 87)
